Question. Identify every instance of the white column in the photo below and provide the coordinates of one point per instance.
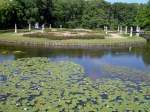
(137, 31)
(131, 31)
(106, 30)
(15, 28)
(29, 27)
(43, 28)
(126, 30)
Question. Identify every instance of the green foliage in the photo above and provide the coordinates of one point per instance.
(24, 11)
(143, 17)
(95, 15)
(73, 13)
(124, 14)
(68, 12)
(10, 12)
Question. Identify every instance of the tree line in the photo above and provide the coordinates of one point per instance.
(73, 13)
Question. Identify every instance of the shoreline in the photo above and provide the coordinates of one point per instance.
(107, 43)
(100, 46)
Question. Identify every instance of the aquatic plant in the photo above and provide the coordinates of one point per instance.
(125, 73)
(40, 85)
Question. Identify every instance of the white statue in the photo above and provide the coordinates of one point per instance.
(106, 30)
(131, 31)
(137, 31)
(126, 30)
(36, 25)
(43, 28)
(60, 27)
(29, 27)
(50, 26)
(15, 28)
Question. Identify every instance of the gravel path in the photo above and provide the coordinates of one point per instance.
(116, 35)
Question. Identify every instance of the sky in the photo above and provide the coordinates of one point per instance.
(129, 1)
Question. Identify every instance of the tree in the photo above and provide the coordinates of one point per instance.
(68, 12)
(124, 14)
(73, 13)
(31, 11)
(45, 10)
(10, 13)
(95, 15)
(143, 17)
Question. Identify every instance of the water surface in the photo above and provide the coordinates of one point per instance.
(90, 59)
(121, 80)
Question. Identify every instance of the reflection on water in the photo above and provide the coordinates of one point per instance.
(90, 59)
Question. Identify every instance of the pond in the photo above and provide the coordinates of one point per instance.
(90, 59)
(108, 80)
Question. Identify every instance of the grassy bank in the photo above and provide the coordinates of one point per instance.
(19, 39)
